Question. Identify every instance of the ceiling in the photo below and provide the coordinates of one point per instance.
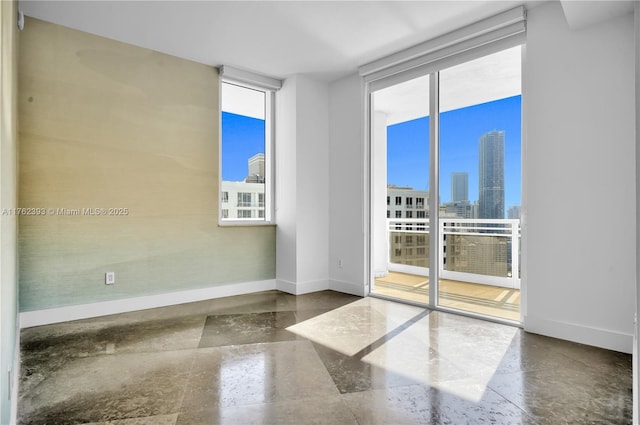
(324, 39)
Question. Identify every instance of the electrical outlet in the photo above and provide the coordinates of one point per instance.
(110, 278)
(340, 263)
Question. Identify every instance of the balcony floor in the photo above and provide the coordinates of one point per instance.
(483, 299)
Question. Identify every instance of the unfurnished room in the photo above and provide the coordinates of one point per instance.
(319, 212)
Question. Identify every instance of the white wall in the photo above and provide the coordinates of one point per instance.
(312, 127)
(286, 166)
(302, 188)
(580, 179)
(346, 186)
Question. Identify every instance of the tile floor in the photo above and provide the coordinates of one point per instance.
(323, 358)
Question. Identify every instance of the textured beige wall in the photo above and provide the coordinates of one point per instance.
(109, 125)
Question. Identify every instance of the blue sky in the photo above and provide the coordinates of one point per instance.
(460, 129)
(408, 146)
(242, 137)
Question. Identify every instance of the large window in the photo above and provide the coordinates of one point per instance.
(246, 147)
(445, 132)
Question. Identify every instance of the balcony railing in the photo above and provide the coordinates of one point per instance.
(485, 251)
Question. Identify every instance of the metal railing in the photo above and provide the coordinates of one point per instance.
(485, 251)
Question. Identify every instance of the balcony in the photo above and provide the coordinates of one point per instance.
(478, 264)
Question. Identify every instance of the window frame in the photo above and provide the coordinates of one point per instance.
(268, 86)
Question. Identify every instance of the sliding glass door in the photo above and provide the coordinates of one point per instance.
(479, 181)
(400, 214)
(445, 186)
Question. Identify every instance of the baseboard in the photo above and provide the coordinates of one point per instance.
(85, 311)
(603, 338)
(347, 287)
(320, 285)
(286, 286)
(301, 288)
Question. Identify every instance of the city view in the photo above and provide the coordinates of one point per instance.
(479, 159)
(242, 189)
(479, 182)
(483, 254)
(479, 187)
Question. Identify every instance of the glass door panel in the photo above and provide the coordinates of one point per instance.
(479, 185)
(400, 190)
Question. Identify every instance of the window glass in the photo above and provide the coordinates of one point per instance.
(474, 136)
(244, 152)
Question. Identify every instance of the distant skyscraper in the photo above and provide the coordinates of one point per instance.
(513, 212)
(256, 169)
(459, 186)
(491, 175)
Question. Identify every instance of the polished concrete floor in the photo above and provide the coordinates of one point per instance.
(322, 358)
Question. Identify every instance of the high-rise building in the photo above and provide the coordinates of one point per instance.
(406, 202)
(513, 212)
(410, 248)
(459, 209)
(245, 199)
(491, 175)
(256, 169)
(459, 186)
(485, 255)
